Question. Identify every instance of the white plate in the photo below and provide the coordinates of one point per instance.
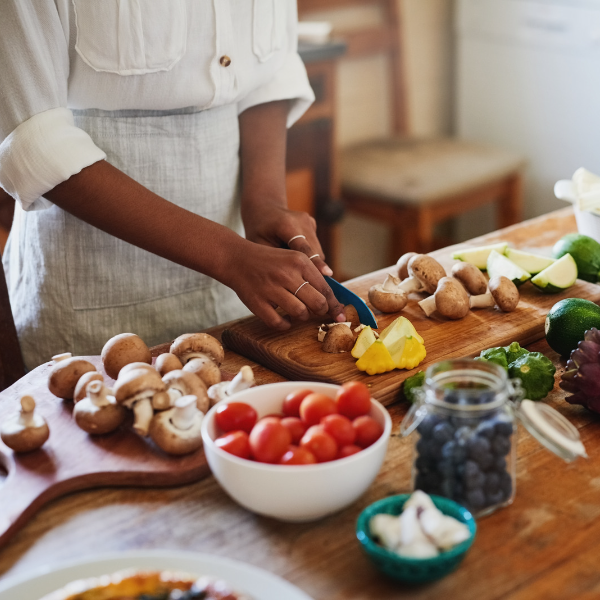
(259, 584)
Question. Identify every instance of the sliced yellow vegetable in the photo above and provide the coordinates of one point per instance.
(365, 339)
(393, 336)
(376, 359)
(412, 354)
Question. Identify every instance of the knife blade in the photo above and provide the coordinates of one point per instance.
(345, 296)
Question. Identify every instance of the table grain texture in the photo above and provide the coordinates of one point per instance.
(546, 545)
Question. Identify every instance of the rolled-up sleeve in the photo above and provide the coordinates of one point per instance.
(40, 146)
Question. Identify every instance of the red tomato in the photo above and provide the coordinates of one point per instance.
(298, 456)
(272, 416)
(235, 442)
(316, 406)
(339, 428)
(320, 443)
(291, 404)
(236, 416)
(296, 427)
(348, 450)
(368, 430)
(269, 440)
(353, 400)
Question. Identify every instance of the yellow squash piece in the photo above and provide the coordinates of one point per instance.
(376, 359)
(400, 327)
(365, 339)
(411, 355)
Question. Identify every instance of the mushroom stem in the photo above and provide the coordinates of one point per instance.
(183, 414)
(97, 392)
(428, 305)
(26, 416)
(412, 284)
(390, 284)
(174, 395)
(185, 358)
(143, 413)
(482, 300)
(58, 357)
(242, 381)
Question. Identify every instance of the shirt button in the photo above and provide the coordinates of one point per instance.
(224, 61)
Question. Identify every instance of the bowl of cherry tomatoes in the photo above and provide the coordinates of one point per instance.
(297, 451)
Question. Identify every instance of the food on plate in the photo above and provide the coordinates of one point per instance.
(567, 322)
(65, 374)
(472, 279)
(411, 384)
(353, 399)
(582, 374)
(376, 360)
(182, 383)
(297, 455)
(424, 273)
(197, 345)
(234, 416)
(503, 293)
(532, 263)
(98, 413)
(559, 276)
(450, 300)
(367, 430)
(177, 430)
(167, 362)
(340, 428)
(296, 426)
(498, 264)
(387, 296)
(205, 368)
(269, 440)
(402, 264)
(364, 341)
(243, 380)
(147, 585)
(585, 252)
(338, 339)
(319, 443)
(316, 406)
(123, 349)
(236, 443)
(479, 256)
(27, 430)
(81, 387)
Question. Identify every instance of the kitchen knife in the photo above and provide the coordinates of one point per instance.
(345, 296)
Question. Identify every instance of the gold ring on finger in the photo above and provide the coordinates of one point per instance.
(299, 288)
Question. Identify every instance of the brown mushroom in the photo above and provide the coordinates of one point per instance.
(135, 365)
(80, 388)
(351, 316)
(196, 345)
(181, 383)
(167, 362)
(242, 381)
(204, 368)
(27, 431)
(123, 349)
(424, 274)
(503, 293)
(98, 413)
(471, 277)
(65, 374)
(387, 297)
(178, 430)
(402, 264)
(450, 300)
(338, 339)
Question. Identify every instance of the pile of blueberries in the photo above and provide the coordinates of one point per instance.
(464, 459)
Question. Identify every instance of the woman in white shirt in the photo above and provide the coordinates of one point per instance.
(124, 126)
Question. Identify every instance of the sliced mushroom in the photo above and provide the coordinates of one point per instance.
(387, 296)
(402, 264)
(204, 368)
(424, 274)
(351, 316)
(123, 349)
(65, 374)
(503, 293)
(167, 362)
(98, 413)
(242, 381)
(80, 388)
(27, 431)
(177, 431)
(450, 300)
(197, 345)
(338, 339)
(325, 327)
(471, 277)
(183, 383)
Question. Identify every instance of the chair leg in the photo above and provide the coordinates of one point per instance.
(510, 205)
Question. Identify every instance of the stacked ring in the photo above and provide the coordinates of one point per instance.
(296, 237)
(299, 288)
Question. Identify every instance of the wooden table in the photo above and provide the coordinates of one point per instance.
(543, 546)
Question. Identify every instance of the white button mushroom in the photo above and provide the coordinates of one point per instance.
(27, 431)
(205, 368)
(167, 362)
(503, 293)
(242, 381)
(81, 387)
(197, 345)
(98, 413)
(183, 383)
(123, 349)
(471, 277)
(424, 274)
(450, 300)
(387, 296)
(65, 374)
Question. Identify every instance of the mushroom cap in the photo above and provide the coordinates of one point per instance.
(402, 264)
(173, 440)
(352, 316)
(167, 362)
(98, 420)
(204, 343)
(427, 270)
(451, 298)
(135, 365)
(387, 301)
(22, 436)
(137, 381)
(338, 339)
(123, 349)
(65, 374)
(80, 388)
(471, 277)
(204, 368)
(189, 384)
(505, 292)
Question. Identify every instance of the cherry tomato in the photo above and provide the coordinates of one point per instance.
(291, 404)
(339, 428)
(353, 400)
(298, 456)
(235, 442)
(297, 428)
(236, 416)
(368, 430)
(316, 406)
(320, 443)
(272, 416)
(269, 440)
(348, 450)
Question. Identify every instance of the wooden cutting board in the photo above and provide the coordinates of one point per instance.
(296, 354)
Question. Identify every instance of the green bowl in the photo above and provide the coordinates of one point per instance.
(414, 570)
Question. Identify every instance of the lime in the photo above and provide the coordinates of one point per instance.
(567, 322)
(586, 252)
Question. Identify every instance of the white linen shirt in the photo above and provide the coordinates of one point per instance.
(57, 55)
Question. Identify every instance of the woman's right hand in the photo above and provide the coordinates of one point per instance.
(266, 278)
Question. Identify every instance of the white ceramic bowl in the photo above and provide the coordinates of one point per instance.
(299, 492)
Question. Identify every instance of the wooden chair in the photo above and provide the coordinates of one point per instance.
(413, 184)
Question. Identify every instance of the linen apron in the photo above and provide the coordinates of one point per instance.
(72, 286)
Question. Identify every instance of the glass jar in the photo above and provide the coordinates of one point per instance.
(464, 433)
